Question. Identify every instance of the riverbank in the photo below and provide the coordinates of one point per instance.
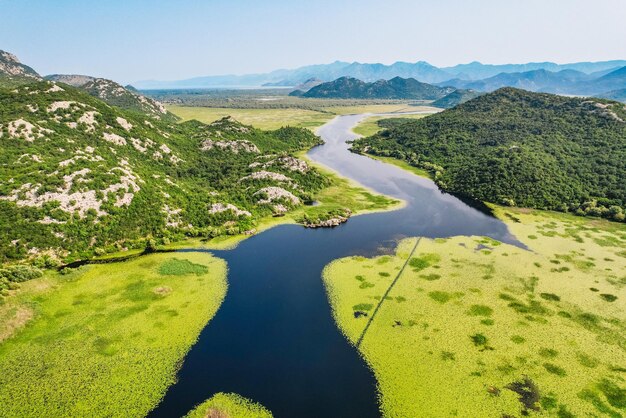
(269, 119)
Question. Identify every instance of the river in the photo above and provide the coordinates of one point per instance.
(274, 340)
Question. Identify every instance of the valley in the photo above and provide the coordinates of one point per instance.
(355, 251)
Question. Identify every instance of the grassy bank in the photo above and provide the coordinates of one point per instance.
(229, 405)
(105, 340)
(341, 193)
(478, 328)
(369, 126)
(403, 165)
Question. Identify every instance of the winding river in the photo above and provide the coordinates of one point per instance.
(274, 340)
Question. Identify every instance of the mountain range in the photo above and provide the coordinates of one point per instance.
(421, 71)
(570, 82)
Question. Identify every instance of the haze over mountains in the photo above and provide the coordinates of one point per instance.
(562, 82)
(421, 71)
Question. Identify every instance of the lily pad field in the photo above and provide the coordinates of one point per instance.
(105, 340)
(474, 327)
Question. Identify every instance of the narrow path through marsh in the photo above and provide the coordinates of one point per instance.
(274, 339)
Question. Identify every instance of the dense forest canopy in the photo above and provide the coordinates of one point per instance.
(520, 148)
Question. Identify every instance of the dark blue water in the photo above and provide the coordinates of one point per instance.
(274, 340)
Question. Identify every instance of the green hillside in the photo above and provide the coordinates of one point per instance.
(396, 88)
(115, 94)
(519, 148)
(79, 176)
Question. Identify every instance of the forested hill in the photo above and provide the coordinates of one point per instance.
(519, 148)
(78, 176)
(396, 88)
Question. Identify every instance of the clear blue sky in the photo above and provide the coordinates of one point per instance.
(129, 40)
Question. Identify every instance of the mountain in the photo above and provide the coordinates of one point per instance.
(476, 70)
(537, 80)
(521, 148)
(420, 70)
(309, 84)
(562, 82)
(619, 95)
(13, 72)
(455, 98)
(80, 176)
(75, 80)
(326, 72)
(115, 94)
(396, 88)
(614, 80)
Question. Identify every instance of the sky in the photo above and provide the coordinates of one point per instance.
(130, 40)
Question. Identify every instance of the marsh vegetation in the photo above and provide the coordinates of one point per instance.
(474, 327)
(104, 340)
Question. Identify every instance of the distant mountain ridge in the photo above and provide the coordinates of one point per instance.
(420, 70)
(569, 82)
(396, 88)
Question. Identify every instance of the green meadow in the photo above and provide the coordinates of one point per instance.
(104, 340)
(474, 327)
(270, 119)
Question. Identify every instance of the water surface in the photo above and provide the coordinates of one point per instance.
(274, 340)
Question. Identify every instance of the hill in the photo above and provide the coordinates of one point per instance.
(520, 148)
(309, 84)
(455, 98)
(13, 72)
(115, 94)
(396, 88)
(79, 176)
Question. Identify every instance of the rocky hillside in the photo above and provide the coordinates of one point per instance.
(79, 176)
(115, 94)
(396, 88)
(520, 148)
(13, 72)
